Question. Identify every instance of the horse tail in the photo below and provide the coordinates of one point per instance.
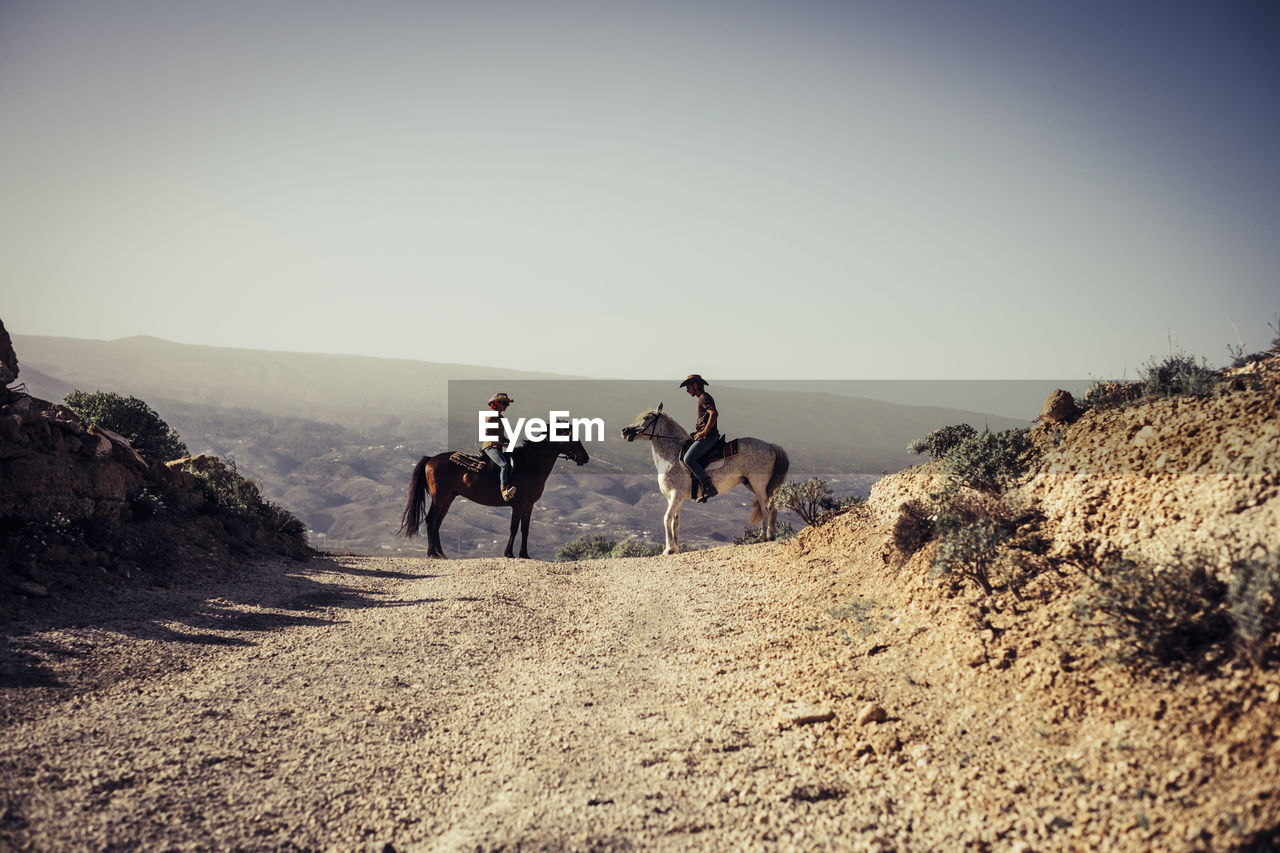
(781, 464)
(415, 509)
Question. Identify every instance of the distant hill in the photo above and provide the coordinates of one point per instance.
(334, 437)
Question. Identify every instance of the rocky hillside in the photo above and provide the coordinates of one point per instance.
(1119, 687)
(80, 508)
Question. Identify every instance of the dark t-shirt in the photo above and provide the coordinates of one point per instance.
(705, 406)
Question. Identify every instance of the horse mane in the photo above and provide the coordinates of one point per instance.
(661, 414)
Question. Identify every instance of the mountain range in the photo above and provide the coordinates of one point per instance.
(333, 438)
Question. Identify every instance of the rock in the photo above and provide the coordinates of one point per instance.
(883, 740)
(871, 713)
(121, 447)
(1059, 408)
(8, 358)
(802, 714)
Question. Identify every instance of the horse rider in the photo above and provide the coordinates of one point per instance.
(493, 449)
(705, 433)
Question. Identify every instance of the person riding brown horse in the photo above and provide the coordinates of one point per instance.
(493, 449)
(446, 480)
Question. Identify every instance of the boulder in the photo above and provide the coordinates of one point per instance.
(1059, 408)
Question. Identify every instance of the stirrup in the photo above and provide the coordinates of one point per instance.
(509, 494)
(708, 491)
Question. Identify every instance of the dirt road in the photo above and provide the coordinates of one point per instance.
(355, 703)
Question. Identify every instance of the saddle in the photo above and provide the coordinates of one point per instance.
(712, 459)
(470, 461)
(719, 451)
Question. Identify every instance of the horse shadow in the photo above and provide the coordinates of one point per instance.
(43, 641)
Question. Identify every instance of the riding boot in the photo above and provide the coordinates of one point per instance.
(707, 491)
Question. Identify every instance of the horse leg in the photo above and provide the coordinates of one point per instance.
(671, 523)
(524, 532)
(515, 523)
(435, 515)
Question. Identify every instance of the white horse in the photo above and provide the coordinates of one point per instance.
(758, 465)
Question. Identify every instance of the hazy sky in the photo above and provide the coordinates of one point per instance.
(755, 189)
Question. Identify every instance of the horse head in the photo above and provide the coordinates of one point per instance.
(645, 425)
(577, 452)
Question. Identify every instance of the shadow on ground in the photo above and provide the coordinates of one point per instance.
(39, 638)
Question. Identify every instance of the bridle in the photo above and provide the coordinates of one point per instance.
(650, 430)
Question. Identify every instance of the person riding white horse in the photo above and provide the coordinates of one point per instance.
(759, 466)
(493, 449)
(705, 434)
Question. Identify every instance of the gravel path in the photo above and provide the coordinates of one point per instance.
(355, 703)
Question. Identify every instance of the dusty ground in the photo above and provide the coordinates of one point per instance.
(786, 696)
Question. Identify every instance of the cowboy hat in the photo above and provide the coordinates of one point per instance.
(693, 377)
(500, 398)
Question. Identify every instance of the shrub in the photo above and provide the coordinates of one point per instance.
(225, 489)
(133, 419)
(1253, 602)
(913, 528)
(1177, 375)
(588, 546)
(990, 461)
(1108, 394)
(751, 534)
(969, 551)
(1149, 615)
(633, 547)
(943, 440)
(812, 500)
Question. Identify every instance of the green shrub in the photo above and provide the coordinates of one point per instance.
(1108, 394)
(970, 551)
(1155, 615)
(1177, 375)
(751, 534)
(633, 547)
(812, 500)
(133, 419)
(224, 488)
(1253, 602)
(990, 461)
(588, 546)
(943, 440)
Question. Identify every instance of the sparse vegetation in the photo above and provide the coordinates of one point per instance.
(969, 551)
(1148, 615)
(751, 534)
(812, 500)
(1253, 601)
(594, 546)
(942, 441)
(1176, 613)
(1177, 375)
(133, 419)
(990, 461)
(225, 489)
(633, 547)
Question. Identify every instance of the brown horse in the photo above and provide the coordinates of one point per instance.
(445, 480)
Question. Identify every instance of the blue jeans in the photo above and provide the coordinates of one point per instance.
(504, 465)
(694, 453)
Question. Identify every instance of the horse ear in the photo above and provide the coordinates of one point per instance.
(659, 407)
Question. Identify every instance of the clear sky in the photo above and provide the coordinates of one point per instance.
(987, 189)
